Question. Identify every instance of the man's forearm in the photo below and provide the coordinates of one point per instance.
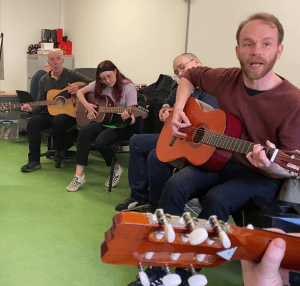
(185, 88)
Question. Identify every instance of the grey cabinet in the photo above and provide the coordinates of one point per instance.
(37, 62)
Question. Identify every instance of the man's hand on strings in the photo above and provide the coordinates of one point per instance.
(179, 120)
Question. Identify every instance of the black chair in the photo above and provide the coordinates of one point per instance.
(88, 72)
(118, 146)
(34, 84)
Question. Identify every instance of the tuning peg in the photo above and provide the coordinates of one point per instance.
(143, 277)
(184, 237)
(169, 232)
(197, 279)
(154, 218)
(149, 255)
(197, 236)
(216, 224)
(224, 239)
(159, 234)
(181, 221)
(171, 279)
(175, 256)
(200, 257)
(250, 226)
(211, 240)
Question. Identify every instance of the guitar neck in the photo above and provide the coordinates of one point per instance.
(229, 143)
(113, 109)
(32, 104)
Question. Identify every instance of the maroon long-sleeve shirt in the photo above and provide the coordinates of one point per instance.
(270, 115)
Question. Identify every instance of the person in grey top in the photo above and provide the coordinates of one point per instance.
(58, 78)
(111, 83)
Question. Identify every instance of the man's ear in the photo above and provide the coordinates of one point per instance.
(279, 52)
(237, 52)
(197, 62)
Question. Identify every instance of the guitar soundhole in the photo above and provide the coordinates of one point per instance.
(60, 101)
(199, 135)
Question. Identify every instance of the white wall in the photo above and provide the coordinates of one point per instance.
(141, 37)
(21, 22)
(213, 26)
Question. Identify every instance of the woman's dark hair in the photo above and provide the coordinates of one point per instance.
(117, 88)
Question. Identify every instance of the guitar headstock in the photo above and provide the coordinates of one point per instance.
(289, 160)
(6, 106)
(139, 111)
(170, 241)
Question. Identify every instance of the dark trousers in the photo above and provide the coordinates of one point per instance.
(103, 136)
(60, 123)
(140, 147)
(221, 193)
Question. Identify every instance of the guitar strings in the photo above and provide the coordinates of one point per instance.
(222, 141)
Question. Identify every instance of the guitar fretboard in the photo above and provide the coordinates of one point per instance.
(9, 106)
(227, 142)
(114, 109)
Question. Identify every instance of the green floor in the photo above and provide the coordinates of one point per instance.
(49, 236)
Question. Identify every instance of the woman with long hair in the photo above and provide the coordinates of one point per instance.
(112, 83)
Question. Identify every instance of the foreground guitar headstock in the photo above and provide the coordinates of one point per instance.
(162, 240)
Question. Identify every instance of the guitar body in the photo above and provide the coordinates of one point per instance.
(209, 157)
(104, 101)
(63, 103)
(133, 235)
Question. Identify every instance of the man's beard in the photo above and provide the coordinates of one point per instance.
(253, 74)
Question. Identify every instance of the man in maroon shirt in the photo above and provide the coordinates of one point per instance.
(268, 107)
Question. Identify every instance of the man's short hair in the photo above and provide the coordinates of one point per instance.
(264, 17)
(189, 56)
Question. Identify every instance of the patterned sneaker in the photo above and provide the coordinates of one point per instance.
(116, 177)
(129, 204)
(155, 274)
(185, 274)
(75, 184)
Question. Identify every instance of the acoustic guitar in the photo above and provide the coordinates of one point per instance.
(105, 109)
(58, 102)
(162, 240)
(211, 140)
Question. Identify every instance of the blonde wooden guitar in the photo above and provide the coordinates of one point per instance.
(58, 102)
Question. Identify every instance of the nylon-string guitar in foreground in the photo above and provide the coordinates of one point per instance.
(159, 239)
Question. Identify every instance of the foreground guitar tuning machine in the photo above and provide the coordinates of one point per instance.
(221, 228)
(164, 220)
(198, 228)
(173, 279)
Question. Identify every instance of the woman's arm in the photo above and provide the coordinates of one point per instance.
(89, 106)
(126, 116)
